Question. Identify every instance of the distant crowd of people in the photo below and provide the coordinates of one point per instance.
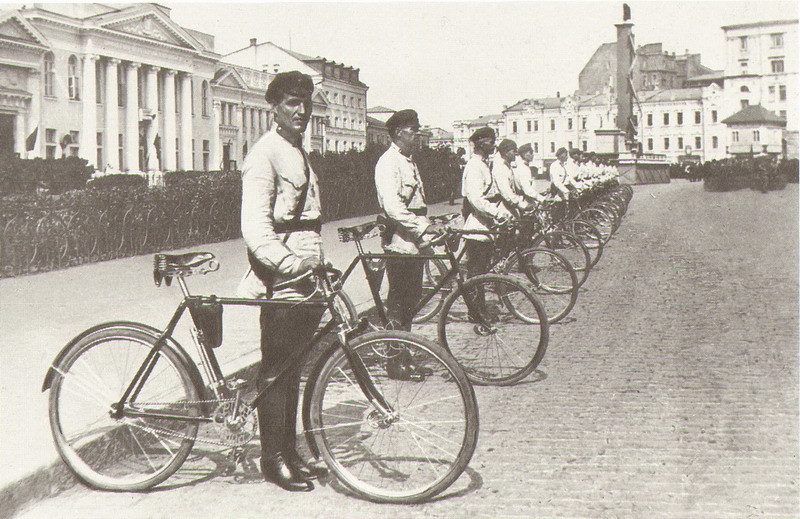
(768, 170)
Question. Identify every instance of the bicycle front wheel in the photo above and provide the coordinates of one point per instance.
(125, 453)
(415, 448)
(495, 328)
(551, 278)
(571, 248)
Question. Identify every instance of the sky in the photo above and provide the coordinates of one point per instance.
(460, 60)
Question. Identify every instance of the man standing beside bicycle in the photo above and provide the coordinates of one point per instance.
(401, 196)
(560, 183)
(281, 228)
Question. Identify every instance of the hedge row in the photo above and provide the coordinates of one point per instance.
(122, 217)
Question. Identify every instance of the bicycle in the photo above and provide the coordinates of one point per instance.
(491, 339)
(126, 400)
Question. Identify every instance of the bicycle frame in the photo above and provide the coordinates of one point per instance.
(211, 364)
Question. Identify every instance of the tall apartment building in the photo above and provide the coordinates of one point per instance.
(761, 68)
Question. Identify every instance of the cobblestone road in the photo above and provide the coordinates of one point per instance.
(672, 393)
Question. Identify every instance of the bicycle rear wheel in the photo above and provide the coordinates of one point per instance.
(589, 235)
(495, 328)
(128, 453)
(552, 279)
(417, 449)
(570, 247)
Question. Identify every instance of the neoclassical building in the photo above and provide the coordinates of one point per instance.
(128, 89)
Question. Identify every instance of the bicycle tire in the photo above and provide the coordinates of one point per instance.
(345, 305)
(432, 274)
(600, 219)
(571, 248)
(589, 235)
(494, 344)
(417, 453)
(550, 277)
(127, 454)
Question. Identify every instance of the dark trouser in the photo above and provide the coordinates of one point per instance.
(284, 329)
(405, 289)
(479, 256)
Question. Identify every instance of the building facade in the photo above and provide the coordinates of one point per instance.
(128, 89)
(761, 68)
(464, 128)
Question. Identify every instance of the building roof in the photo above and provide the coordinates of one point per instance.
(671, 94)
(375, 123)
(540, 102)
(758, 24)
(755, 114)
(710, 76)
(379, 109)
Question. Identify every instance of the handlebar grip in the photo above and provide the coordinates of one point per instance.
(292, 281)
(436, 240)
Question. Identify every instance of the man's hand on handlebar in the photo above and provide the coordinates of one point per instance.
(436, 229)
(308, 263)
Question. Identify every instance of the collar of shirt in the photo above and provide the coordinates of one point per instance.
(396, 148)
(297, 141)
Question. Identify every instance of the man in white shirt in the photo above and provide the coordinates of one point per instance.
(560, 183)
(281, 228)
(401, 195)
(524, 175)
(513, 197)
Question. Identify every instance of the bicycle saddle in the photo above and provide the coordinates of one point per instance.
(165, 266)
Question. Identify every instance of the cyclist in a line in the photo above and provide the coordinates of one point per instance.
(281, 228)
(402, 197)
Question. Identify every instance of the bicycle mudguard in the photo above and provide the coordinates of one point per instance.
(144, 328)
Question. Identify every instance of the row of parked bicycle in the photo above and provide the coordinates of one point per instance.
(127, 401)
(540, 261)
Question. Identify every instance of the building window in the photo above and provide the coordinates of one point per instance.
(529, 126)
(206, 154)
(735, 136)
(649, 119)
(745, 103)
(120, 150)
(536, 125)
(782, 113)
(585, 146)
(514, 127)
(204, 97)
(742, 42)
(698, 143)
(713, 116)
(49, 74)
(666, 143)
(777, 40)
(99, 163)
(680, 143)
(552, 147)
(715, 142)
(772, 93)
(74, 144)
(536, 147)
(552, 124)
(73, 79)
(777, 65)
(680, 118)
(743, 64)
(178, 152)
(583, 123)
(782, 92)
(649, 144)
(193, 155)
(569, 145)
(177, 96)
(635, 120)
(756, 136)
(50, 143)
(697, 117)
(666, 119)
(569, 123)
(191, 89)
(601, 121)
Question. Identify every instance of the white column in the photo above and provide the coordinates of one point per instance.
(19, 133)
(110, 135)
(216, 152)
(168, 139)
(88, 137)
(34, 115)
(152, 126)
(186, 122)
(132, 118)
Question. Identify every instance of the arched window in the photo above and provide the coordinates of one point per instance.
(205, 97)
(73, 81)
(49, 74)
(744, 89)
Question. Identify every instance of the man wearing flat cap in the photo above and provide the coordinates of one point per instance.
(281, 228)
(483, 204)
(560, 182)
(401, 196)
(502, 161)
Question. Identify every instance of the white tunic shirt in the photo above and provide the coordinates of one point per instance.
(400, 191)
(479, 189)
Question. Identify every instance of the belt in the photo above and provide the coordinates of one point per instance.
(299, 225)
(423, 211)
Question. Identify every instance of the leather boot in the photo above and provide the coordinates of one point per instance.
(277, 470)
(300, 466)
